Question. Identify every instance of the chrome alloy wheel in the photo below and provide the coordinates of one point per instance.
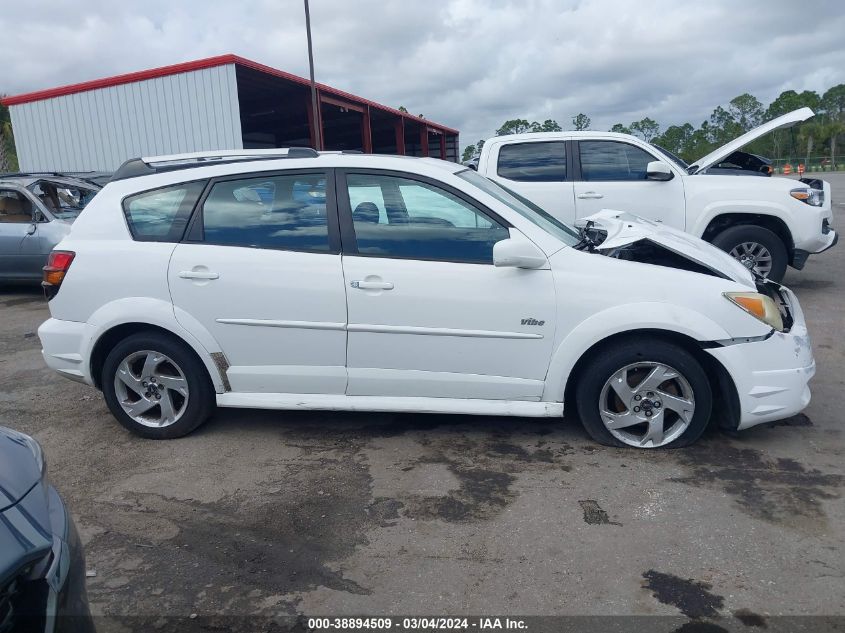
(151, 388)
(647, 404)
(753, 256)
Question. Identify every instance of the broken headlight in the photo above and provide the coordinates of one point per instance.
(759, 306)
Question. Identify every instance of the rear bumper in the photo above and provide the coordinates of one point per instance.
(62, 345)
(771, 376)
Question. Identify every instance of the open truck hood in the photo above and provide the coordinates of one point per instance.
(636, 238)
(787, 120)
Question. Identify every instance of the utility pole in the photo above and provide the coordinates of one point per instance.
(317, 119)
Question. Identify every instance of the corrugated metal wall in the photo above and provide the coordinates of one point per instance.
(99, 129)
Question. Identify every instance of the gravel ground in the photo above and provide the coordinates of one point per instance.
(327, 513)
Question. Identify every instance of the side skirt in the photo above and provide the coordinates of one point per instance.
(340, 402)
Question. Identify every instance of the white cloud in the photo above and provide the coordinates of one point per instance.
(469, 64)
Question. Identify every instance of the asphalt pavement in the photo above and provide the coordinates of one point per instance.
(273, 513)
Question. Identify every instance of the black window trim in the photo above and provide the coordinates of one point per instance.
(188, 213)
(576, 152)
(347, 227)
(194, 233)
(568, 155)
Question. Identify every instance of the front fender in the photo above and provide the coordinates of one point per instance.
(618, 319)
(750, 207)
(158, 313)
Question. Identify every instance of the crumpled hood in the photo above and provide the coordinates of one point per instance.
(625, 228)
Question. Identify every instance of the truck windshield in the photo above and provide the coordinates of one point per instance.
(523, 207)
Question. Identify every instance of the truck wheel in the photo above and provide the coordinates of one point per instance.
(756, 248)
(645, 393)
(156, 386)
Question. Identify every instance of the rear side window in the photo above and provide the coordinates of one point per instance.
(612, 160)
(533, 162)
(161, 215)
(281, 212)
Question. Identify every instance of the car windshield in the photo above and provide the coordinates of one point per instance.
(523, 207)
(65, 200)
(680, 162)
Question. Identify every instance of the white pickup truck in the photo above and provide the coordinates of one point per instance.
(726, 198)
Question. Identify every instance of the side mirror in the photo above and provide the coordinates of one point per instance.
(30, 230)
(518, 252)
(658, 170)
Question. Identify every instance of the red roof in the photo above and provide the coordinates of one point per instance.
(209, 62)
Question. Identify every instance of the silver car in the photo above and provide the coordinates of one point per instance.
(36, 211)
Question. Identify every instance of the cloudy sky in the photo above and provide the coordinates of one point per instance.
(469, 64)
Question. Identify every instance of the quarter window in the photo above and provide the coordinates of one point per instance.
(283, 212)
(14, 208)
(411, 219)
(612, 160)
(533, 162)
(160, 215)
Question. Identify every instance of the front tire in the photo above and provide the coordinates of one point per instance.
(156, 386)
(755, 247)
(644, 393)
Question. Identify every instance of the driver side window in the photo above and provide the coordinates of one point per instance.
(15, 208)
(410, 219)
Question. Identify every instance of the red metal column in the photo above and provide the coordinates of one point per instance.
(399, 126)
(443, 146)
(424, 140)
(366, 131)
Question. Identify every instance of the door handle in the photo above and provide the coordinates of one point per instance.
(590, 195)
(372, 285)
(198, 274)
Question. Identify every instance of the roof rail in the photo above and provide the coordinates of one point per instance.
(149, 165)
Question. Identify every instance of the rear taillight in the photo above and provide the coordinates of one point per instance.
(57, 266)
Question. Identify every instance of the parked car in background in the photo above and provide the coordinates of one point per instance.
(42, 565)
(36, 211)
(765, 223)
(290, 279)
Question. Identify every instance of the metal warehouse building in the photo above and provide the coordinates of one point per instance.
(224, 102)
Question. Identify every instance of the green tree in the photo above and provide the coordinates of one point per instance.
(646, 128)
(403, 109)
(549, 125)
(8, 158)
(833, 101)
(581, 122)
(514, 126)
(621, 129)
(723, 127)
(746, 111)
(469, 152)
(676, 139)
(479, 145)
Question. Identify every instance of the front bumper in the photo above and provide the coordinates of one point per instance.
(771, 376)
(799, 257)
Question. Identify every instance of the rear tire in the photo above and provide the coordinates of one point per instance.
(744, 241)
(156, 386)
(629, 389)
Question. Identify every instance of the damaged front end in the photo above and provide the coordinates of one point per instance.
(629, 237)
